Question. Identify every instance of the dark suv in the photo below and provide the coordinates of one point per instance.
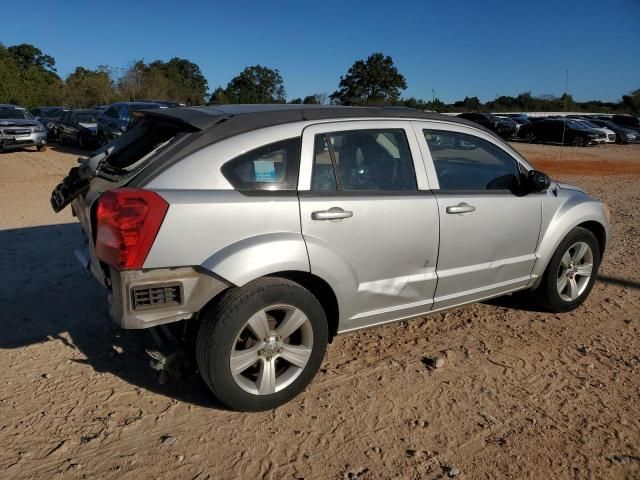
(502, 126)
(117, 119)
(49, 117)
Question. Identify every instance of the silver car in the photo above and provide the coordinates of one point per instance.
(18, 129)
(261, 232)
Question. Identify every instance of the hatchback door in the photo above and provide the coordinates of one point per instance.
(369, 220)
(488, 233)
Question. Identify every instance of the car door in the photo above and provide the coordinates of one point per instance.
(369, 220)
(488, 232)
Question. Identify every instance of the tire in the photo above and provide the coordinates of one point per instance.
(578, 142)
(551, 293)
(229, 327)
(81, 142)
(102, 141)
(41, 148)
(531, 137)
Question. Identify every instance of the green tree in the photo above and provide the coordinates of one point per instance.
(219, 97)
(296, 101)
(311, 100)
(256, 84)
(178, 79)
(631, 102)
(27, 76)
(28, 55)
(87, 88)
(375, 80)
(472, 104)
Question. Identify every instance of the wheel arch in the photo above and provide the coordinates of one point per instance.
(588, 215)
(321, 290)
(598, 231)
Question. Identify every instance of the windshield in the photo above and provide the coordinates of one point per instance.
(18, 113)
(575, 124)
(54, 113)
(87, 117)
(588, 124)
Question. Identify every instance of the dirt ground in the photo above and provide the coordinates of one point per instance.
(522, 393)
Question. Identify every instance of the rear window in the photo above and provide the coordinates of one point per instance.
(140, 142)
(272, 167)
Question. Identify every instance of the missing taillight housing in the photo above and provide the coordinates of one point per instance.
(127, 222)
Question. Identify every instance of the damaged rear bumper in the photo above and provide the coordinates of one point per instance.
(147, 298)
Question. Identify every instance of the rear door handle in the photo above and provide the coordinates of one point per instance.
(334, 213)
(461, 208)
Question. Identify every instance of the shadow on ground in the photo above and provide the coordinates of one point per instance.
(45, 292)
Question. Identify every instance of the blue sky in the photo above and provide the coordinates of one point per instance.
(459, 48)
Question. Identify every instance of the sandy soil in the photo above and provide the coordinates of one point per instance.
(522, 393)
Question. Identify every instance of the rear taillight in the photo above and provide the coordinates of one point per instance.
(127, 222)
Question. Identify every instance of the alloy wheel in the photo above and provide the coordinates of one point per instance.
(575, 271)
(271, 350)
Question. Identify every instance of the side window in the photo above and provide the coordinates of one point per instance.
(363, 160)
(268, 168)
(111, 112)
(466, 162)
(123, 113)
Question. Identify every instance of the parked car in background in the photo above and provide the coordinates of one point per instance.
(80, 127)
(623, 135)
(246, 230)
(626, 121)
(118, 118)
(504, 128)
(561, 130)
(517, 122)
(49, 117)
(19, 129)
(166, 103)
(610, 135)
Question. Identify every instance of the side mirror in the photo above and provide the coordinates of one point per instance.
(538, 181)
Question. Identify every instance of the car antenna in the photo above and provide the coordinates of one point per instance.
(564, 121)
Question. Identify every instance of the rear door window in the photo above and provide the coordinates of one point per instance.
(372, 160)
(467, 162)
(272, 167)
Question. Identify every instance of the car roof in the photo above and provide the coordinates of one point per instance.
(247, 117)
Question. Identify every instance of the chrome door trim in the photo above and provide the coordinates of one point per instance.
(308, 139)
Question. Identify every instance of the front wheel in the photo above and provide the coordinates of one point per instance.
(579, 142)
(531, 137)
(261, 344)
(571, 272)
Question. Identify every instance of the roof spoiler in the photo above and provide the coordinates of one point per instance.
(183, 118)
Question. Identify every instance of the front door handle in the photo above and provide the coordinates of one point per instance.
(334, 213)
(461, 208)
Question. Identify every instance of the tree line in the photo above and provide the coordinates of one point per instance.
(29, 77)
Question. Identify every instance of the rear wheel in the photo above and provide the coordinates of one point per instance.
(261, 344)
(571, 272)
(531, 137)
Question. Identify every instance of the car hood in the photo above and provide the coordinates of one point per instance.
(89, 126)
(18, 122)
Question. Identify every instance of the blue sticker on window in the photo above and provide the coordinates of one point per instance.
(265, 171)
